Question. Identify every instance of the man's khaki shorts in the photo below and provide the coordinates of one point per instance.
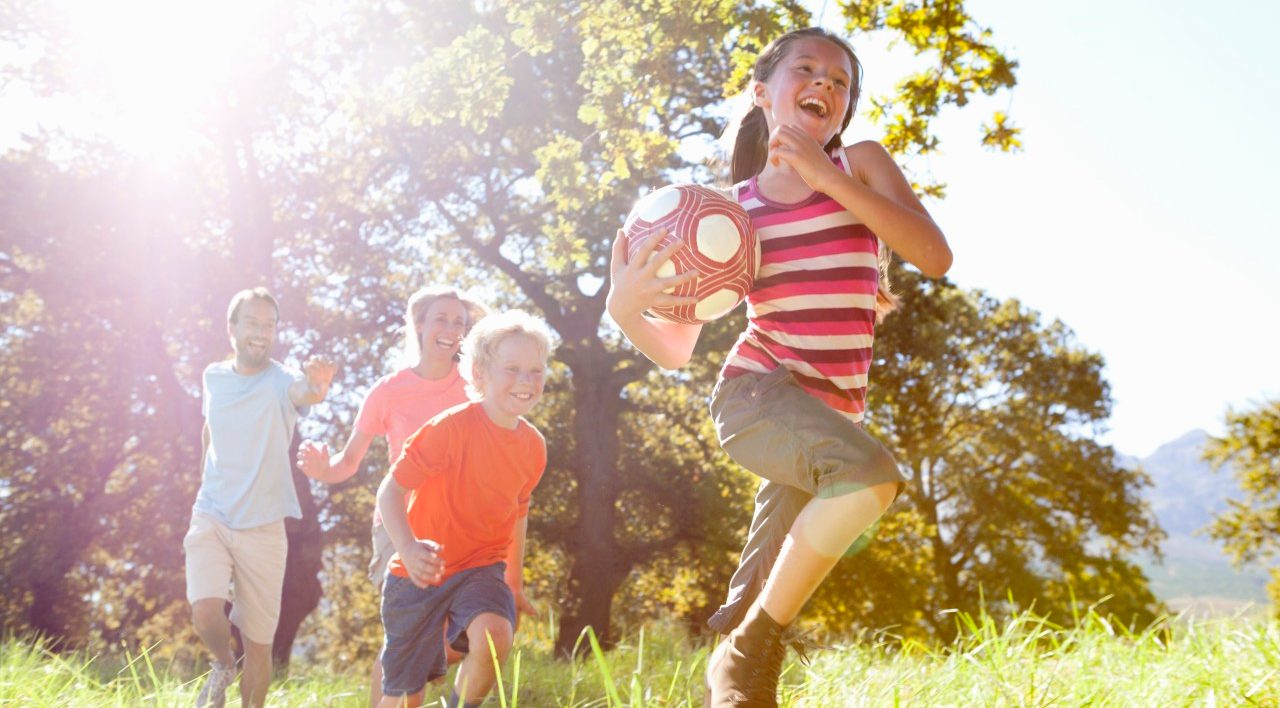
(245, 566)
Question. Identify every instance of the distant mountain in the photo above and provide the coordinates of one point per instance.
(1186, 495)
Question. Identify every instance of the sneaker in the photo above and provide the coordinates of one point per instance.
(743, 670)
(214, 693)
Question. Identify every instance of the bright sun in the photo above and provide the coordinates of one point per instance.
(144, 71)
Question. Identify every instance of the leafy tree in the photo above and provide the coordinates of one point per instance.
(1250, 527)
(526, 174)
(89, 386)
(148, 260)
(960, 62)
(995, 413)
(354, 157)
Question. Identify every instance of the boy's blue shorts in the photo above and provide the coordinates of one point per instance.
(413, 619)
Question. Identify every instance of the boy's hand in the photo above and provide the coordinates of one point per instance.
(524, 606)
(313, 459)
(423, 562)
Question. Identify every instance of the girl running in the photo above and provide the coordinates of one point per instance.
(791, 397)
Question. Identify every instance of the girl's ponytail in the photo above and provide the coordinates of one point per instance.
(750, 146)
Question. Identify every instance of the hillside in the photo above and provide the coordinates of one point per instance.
(1186, 495)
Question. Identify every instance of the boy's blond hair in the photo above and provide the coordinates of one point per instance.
(480, 347)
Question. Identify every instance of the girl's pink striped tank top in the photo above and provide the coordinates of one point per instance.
(813, 306)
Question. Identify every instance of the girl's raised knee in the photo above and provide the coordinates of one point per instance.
(885, 493)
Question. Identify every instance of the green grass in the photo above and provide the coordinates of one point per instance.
(1022, 662)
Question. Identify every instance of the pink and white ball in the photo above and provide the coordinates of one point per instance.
(719, 243)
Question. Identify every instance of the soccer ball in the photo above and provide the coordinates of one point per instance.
(719, 243)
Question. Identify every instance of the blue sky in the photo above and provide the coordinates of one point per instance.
(1141, 211)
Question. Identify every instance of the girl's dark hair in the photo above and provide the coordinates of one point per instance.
(751, 144)
(751, 141)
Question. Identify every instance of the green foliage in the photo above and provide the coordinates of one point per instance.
(595, 111)
(82, 478)
(961, 61)
(386, 145)
(995, 413)
(1250, 527)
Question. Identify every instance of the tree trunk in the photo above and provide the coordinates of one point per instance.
(252, 226)
(47, 615)
(598, 564)
(302, 590)
(44, 616)
(594, 577)
(944, 570)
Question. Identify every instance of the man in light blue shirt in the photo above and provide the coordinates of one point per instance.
(237, 538)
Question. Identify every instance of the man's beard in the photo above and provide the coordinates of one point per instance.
(253, 357)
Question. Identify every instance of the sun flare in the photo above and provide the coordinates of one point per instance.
(150, 70)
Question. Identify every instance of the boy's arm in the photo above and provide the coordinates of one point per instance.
(515, 568)
(421, 558)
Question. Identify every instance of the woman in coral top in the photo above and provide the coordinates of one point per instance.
(436, 319)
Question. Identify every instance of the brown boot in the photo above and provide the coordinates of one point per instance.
(743, 671)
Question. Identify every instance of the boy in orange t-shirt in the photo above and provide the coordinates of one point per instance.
(469, 474)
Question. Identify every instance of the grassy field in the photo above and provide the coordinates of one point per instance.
(1022, 662)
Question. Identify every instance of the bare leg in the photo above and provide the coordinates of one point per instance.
(257, 673)
(744, 668)
(375, 683)
(476, 676)
(819, 537)
(214, 628)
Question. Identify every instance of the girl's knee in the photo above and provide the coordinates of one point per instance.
(885, 493)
